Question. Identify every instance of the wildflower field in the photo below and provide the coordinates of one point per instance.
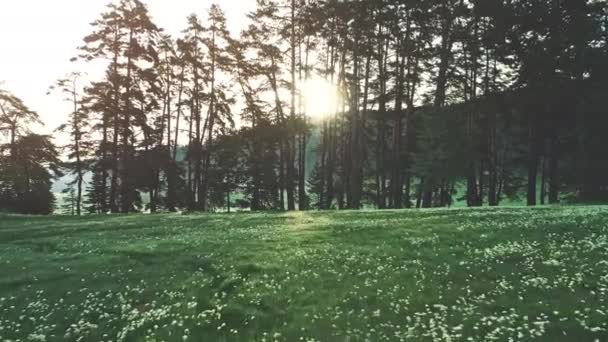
(440, 275)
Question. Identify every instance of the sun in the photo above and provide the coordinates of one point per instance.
(320, 97)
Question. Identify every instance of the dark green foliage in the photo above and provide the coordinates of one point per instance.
(28, 162)
(315, 187)
(438, 102)
(26, 175)
(494, 97)
(227, 170)
(442, 156)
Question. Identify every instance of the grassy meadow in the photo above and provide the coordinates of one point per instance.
(509, 274)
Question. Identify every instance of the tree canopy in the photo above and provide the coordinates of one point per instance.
(437, 102)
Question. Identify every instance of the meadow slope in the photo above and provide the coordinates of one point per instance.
(437, 275)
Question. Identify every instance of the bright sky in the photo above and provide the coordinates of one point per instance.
(38, 38)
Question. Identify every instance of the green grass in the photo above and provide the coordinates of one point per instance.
(482, 275)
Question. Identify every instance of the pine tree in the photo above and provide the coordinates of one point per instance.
(125, 35)
(27, 174)
(15, 117)
(77, 127)
(220, 102)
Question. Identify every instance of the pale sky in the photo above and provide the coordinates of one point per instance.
(38, 38)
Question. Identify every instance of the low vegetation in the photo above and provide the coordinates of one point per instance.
(451, 275)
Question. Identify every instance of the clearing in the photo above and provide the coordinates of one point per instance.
(460, 274)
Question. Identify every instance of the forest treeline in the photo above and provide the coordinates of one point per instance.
(439, 101)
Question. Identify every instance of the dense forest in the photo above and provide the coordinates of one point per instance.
(439, 101)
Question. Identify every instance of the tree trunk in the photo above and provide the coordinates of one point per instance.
(419, 193)
(79, 174)
(103, 206)
(553, 171)
(114, 171)
(190, 158)
(543, 182)
(116, 116)
(126, 199)
(445, 55)
(79, 191)
(427, 198)
(204, 193)
(532, 165)
(408, 189)
(493, 167)
(322, 176)
(397, 175)
(291, 174)
(472, 191)
(380, 169)
(329, 167)
(302, 142)
(482, 186)
(357, 152)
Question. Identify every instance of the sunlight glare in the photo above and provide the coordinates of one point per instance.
(320, 97)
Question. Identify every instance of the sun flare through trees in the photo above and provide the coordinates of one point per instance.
(320, 98)
(303, 170)
(329, 104)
